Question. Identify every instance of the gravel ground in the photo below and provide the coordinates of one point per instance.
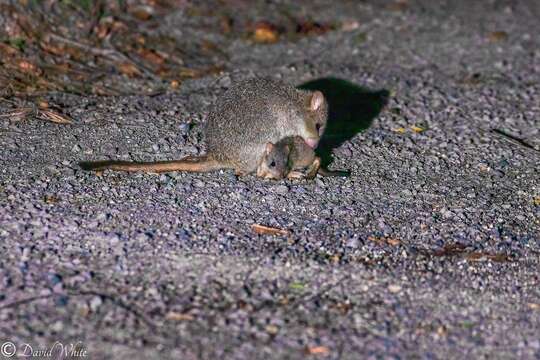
(430, 249)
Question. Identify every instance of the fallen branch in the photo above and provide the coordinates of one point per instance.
(111, 54)
(266, 230)
(514, 139)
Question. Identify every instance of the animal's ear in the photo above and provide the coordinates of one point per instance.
(288, 148)
(317, 100)
(269, 147)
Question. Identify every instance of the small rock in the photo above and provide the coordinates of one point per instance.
(406, 192)
(350, 25)
(279, 189)
(55, 279)
(352, 243)
(345, 151)
(95, 303)
(447, 214)
(198, 183)
(272, 329)
(184, 128)
(61, 301)
(225, 81)
(57, 326)
(231, 176)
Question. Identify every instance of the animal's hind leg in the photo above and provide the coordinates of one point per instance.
(312, 169)
(239, 170)
(295, 175)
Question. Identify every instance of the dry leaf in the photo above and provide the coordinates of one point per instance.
(283, 300)
(196, 73)
(265, 230)
(142, 12)
(297, 286)
(29, 68)
(312, 28)
(48, 47)
(108, 25)
(272, 329)
(51, 199)
(226, 24)
(175, 84)
(375, 239)
(128, 69)
(18, 114)
(384, 240)
(54, 117)
(398, 5)
(484, 168)
(151, 56)
(83, 310)
(265, 32)
(317, 350)
(350, 25)
(102, 30)
(477, 256)
(119, 26)
(417, 129)
(460, 249)
(399, 130)
(536, 200)
(8, 50)
(140, 39)
(496, 36)
(343, 307)
(209, 46)
(176, 316)
(533, 306)
(450, 250)
(441, 331)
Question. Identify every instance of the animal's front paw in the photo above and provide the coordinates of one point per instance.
(296, 175)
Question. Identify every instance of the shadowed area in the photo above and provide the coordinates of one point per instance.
(351, 109)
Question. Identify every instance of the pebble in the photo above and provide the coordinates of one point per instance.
(198, 183)
(280, 189)
(95, 303)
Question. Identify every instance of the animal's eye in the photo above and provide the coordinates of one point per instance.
(272, 164)
(318, 127)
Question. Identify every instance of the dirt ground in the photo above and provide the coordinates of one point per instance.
(429, 249)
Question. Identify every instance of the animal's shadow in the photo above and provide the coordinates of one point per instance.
(351, 109)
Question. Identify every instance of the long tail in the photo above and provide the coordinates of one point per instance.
(189, 163)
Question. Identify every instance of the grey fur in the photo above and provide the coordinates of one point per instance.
(256, 112)
(285, 157)
(247, 117)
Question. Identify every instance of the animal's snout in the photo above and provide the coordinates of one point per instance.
(312, 142)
